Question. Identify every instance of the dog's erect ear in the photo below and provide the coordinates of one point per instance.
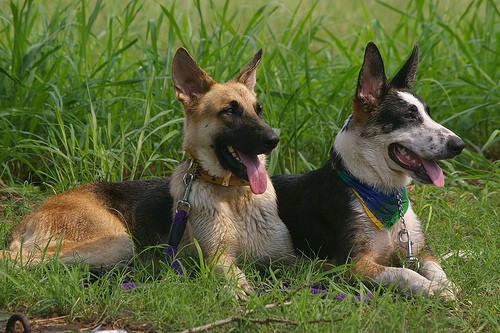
(247, 75)
(406, 75)
(190, 80)
(372, 83)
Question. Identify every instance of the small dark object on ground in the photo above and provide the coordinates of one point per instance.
(18, 317)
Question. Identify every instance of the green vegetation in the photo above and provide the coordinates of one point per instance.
(85, 94)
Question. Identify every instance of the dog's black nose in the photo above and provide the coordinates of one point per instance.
(271, 141)
(455, 145)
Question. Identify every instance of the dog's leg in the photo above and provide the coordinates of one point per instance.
(75, 227)
(227, 265)
(99, 252)
(432, 270)
(406, 280)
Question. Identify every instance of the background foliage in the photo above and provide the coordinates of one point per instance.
(86, 93)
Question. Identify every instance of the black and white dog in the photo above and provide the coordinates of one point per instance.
(355, 208)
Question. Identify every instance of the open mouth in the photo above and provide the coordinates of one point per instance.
(244, 166)
(423, 170)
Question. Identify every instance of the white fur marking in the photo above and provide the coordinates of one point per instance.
(428, 122)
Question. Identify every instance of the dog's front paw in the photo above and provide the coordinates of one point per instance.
(241, 291)
(244, 289)
(452, 291)
(445, 290)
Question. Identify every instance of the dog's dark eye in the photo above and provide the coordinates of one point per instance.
(232, 109)
(258, 109)
(229, 110)
(412, 112)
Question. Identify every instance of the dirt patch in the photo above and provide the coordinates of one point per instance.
(63, 324)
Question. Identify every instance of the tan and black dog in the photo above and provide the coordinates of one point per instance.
(351, 209)
(233, 213)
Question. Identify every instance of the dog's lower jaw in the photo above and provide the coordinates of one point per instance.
(391, 179)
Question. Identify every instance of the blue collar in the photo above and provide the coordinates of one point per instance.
(381, 208)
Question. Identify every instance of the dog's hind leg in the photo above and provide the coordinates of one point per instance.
(98, 252)
(74, 226)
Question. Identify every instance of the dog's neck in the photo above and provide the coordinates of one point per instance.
(193, 166)
(382, 206)
(365, 159)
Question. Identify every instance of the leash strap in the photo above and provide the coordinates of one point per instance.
(176, 232)
(180, 220)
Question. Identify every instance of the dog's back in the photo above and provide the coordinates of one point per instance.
(316, 210)
(145, 207)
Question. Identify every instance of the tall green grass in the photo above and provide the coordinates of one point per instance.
(85, 89)
(85, 94)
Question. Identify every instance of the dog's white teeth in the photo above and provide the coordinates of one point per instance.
(402, 151)
(233, 152)
(409, 157)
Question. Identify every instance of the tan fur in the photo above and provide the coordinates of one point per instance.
(229, 223)
(74, 225)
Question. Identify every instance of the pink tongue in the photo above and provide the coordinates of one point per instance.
(256, 172)
(434, 172)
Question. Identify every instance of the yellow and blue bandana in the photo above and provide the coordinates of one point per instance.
(381, 208)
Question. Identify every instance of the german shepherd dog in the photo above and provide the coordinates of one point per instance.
(233, 211)
(350, 209)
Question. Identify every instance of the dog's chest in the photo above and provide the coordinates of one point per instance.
(398, 240)
(236, 219)
(385, 243)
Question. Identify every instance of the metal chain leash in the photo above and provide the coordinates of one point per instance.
(410, 261)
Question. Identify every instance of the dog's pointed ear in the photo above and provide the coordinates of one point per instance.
(247, 75)
(372, 83)
(404, 78)
(190, 80)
